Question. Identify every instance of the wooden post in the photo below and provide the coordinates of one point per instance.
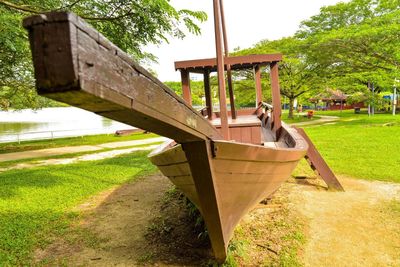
(207, 92)
(187, 95)
(257, 78)
(221, 76)
(276, 99)
(318, 164)
(199, 155)
(228, 67)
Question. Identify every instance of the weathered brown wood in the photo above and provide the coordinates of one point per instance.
(75, 64)
(187, 95)
(228, 67)
(318, 164)
(236, 62)
(257, 79)
(230, 178)
(220, 70)
(199, 155)
(207, 92)
(276, 99)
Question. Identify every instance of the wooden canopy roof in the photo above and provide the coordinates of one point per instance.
(236, 63)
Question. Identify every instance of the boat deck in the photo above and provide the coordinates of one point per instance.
(244, 129)
(240, 121)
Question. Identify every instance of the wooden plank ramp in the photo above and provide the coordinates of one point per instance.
(318, 164)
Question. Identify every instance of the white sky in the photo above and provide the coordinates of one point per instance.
(247, 22)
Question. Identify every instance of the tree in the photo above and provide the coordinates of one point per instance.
(296, 77)
(129, 24)
(355, 43)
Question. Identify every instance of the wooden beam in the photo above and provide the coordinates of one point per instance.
(187, 94)
(228, 67)
(221, 74)
(199, 155)
(207, 93)
(257, 79)
(236, 62)
(276, 99)
(76, 65)
(318, 164)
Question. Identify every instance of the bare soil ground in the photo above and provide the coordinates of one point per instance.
(145, 223)
(352, 228)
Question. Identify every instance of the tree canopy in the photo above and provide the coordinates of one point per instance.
(129, 24)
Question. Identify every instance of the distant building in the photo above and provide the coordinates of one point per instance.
(332, 99)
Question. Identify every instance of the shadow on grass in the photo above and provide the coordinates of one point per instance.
(35, 204)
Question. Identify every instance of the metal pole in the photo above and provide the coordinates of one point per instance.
(394, 101)
(220, 68)
(373, 100)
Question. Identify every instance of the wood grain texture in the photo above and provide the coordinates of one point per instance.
(75, 64)
(319, 165)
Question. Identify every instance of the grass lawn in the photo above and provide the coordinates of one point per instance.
(72, 141)
(360, 146)
(35, 204)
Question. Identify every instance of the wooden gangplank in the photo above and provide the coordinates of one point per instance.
(77, 65)
(318, 164)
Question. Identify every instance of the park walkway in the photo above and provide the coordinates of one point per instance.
(322, 120)
(57, 151)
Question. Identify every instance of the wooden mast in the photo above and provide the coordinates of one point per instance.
(221, 76)
(228, 67)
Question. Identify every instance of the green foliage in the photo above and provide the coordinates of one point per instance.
(296, 76)
(355, 43)
(128, 24)
(35, 204)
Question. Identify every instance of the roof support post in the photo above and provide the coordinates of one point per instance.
(276, 99)
(257, 79)
(221, 75)
(207, 92)
(187, 95)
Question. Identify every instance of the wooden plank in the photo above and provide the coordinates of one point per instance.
(187, 95)
(221, 72)
(246, 134)
(256, 135)
(318, 164)
(236, 62)
(276, 99)
(207, 92)
(257, 79)
(199, 155)
(235, 134)
(75, 64)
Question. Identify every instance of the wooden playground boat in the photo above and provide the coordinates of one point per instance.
(224, 162)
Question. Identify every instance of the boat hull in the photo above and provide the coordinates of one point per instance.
(242, 174)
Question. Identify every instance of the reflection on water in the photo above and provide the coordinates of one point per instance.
(52, 123)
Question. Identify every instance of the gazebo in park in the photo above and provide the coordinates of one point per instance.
(334, 100)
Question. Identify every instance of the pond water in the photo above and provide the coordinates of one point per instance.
(53, 123)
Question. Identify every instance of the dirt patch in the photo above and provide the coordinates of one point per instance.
(129, 226)
(352, 228)
(145, 223)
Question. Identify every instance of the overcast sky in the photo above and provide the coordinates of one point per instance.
(247, 22)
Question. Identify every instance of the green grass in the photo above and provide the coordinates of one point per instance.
(35, 204)
(361, 146)
(73, 141)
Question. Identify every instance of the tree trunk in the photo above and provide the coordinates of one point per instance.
(291, 108)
